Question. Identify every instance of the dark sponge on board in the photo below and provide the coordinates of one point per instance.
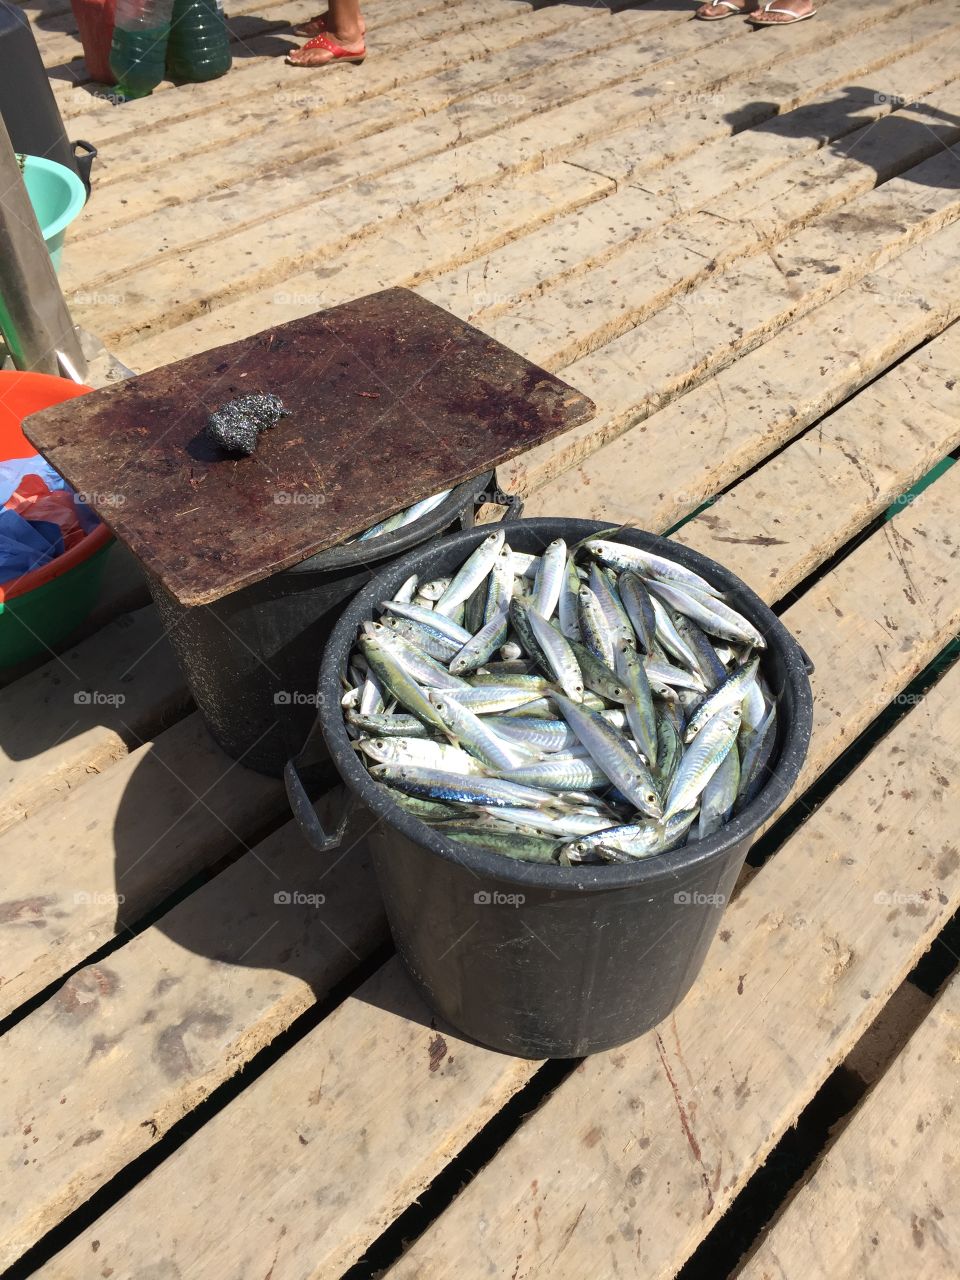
(236, 425)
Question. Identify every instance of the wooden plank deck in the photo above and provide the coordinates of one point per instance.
(744, 247)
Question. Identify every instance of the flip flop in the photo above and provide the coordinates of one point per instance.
(759, 20)
(734, 10)
(340, 54)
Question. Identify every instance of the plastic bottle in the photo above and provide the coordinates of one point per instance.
(199, 44)
(139, 47)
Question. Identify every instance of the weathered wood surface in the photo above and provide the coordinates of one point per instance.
(808, 954)
(83, 710)
(485, 143)
(400, 256)
(88, 867)
(129, 1045)
(883, 1201)
(385, 1157)
(755, 401)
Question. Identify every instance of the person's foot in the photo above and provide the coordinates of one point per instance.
(332, 46)
(314, 26)
(725, 9)
(781, 13)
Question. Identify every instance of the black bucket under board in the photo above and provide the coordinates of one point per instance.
(252, 658)
(542, 960)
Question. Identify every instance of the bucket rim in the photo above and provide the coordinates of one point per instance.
(491, 865)
(78, 193)
(409, 537)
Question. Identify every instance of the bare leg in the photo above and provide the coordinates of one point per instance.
(313, 26)
(344, 26)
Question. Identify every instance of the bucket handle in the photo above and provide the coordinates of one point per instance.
(498, 498)
(85, 161)
(305, 816)
(807, 661)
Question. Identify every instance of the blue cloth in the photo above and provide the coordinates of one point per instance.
(26, 544)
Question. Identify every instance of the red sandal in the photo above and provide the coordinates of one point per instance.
(323, 41)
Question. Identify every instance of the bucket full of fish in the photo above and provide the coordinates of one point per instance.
(252, 658)
(569, 738)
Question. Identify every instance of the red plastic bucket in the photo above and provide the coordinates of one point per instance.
(40, 607)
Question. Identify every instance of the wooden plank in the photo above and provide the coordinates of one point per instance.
(745, 411)
(448, 164)
(82, 711)
(699, 261)
(785, 519)
(444, 236)
(668, 1129)
(270, 208)
(736, 178)
(116, 847)
(469, 226)
(423, 1092)
(129, 1045)
(883, 1201)
(427, 64)
(78, 97)
(59, 42)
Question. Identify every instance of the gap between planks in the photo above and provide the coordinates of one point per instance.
(472, 1083)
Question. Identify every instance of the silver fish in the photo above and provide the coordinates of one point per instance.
(701, 761)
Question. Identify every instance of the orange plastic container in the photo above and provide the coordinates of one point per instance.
(41, 607)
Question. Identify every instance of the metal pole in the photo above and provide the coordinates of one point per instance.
(34, 319)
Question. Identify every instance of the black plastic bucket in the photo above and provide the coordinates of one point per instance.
(27, 104)
(550, 961)
(252, 659)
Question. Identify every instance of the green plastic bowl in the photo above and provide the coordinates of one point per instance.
(57, 196)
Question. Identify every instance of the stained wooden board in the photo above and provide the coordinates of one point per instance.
(704, 439)
(784, 519)
(129, 1045)
(406, 1119)
(389, 399)
(669, 1128)
(884, 1201)
(80, 712)
(90, 867)
(468, 226)
(736, 178)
